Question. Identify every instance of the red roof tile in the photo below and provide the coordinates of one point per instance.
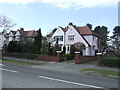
(85, 30)
(64, 29)
(29, 33)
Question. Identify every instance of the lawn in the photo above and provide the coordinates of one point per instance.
(102, 72)
(21, 62)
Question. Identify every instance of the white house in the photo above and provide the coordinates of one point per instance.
(21, 35)
(1, 40)
(75, 35)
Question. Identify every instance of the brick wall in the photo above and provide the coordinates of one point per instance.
(47, 58)
(81, 59)
(50, 58)
(17, 55)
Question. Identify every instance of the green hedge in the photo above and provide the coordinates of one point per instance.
(69, 57)
(112, 62)
(31, 55)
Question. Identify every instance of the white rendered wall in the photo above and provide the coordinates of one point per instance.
(93, 41)
(17, 36)
(77, 38)
(58, 32)
(11, 36)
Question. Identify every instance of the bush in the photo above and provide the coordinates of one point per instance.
(112, 62)
(72, 50)
(31, 55)
(69, 57)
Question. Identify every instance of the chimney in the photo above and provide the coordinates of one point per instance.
(70, 23)
(22, 29)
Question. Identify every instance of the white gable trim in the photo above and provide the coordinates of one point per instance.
(11, 34)
(17, 33)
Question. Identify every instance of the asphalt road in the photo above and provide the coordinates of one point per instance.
(17, 76)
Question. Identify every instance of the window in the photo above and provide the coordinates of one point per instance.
(60, 45)
(71, 37)
(60, 38)
(93, 47)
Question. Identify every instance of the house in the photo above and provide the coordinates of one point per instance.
(21, 36)
(82, 37)
(1, 40)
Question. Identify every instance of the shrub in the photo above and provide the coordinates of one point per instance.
(69, 57)
(72, 50)
(31, 55)
(112, 62)
(64, 49)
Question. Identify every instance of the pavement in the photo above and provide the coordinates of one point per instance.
(67, 66)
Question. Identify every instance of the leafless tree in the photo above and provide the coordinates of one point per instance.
(6, 23)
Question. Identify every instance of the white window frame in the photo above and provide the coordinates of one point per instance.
(71, 37)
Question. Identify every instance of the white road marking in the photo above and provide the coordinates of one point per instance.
(70, 82)
(8, 70)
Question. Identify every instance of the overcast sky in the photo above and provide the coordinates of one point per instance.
(49, 14)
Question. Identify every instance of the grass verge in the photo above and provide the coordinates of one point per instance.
(21, 62)
(101, 72)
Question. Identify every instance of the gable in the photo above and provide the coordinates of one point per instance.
(78, 37)
(17, 33)
(58, 32)
(11, 34)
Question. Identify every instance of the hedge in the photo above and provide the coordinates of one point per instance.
(111, 62)
(69, 56)
(31, 55)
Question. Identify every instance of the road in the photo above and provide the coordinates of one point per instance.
(18, 76)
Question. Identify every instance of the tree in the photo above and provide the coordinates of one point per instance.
(116, 37)
(54, 30)
(103, 33)
(38, 42)
(6, 23)
(89, 26)
(12, 46)
(56, 47)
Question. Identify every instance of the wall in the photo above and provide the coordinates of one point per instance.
(93, 41)
(40, 57)
(47, 58)
(17, 38)
(77, 38)
(58, 32)
(17, 55)
(81, 59)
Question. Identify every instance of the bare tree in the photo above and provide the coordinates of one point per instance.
(6, 23)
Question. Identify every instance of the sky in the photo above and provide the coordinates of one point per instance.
(49, 14)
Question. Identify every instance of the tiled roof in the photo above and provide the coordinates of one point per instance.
(64, 29)
(35, 33)
(50, 35)
(84, 30)
(29, 33)
(22, 32)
